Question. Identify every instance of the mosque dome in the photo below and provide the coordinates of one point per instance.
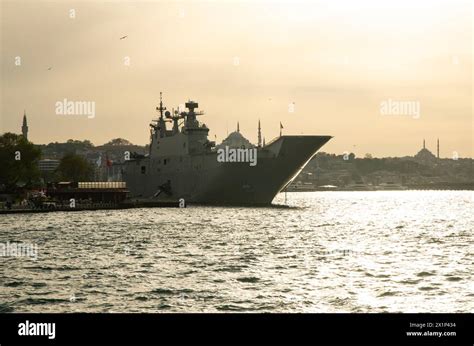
(236, 140)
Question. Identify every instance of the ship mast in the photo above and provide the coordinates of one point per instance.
(161, 108)
(161, 121)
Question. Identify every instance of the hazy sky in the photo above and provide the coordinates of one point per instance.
(338, 61)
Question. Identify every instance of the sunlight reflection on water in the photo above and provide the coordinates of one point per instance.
(397, 251)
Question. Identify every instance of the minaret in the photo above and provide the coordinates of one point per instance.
(259, 134)
(424, 144)
(238, 127)
(437, 151)
(24, 128)
(263, 141)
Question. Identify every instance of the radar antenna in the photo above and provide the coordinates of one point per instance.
(175, 118)
(190, 117)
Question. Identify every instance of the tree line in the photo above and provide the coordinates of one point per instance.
(19, 165)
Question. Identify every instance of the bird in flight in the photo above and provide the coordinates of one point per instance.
(50, 68)
(123, 37)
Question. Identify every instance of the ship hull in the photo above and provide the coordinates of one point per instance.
(201, 179)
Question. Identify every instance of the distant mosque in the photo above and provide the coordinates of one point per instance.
(24, 127)
(425, 155)
(237, 140)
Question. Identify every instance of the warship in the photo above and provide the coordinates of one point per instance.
(183, 164)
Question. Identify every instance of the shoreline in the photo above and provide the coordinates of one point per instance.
(129, 205)
(176, 204)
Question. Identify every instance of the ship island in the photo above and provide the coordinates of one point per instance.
(183, 164)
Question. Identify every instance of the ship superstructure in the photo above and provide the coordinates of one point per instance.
(183, 163)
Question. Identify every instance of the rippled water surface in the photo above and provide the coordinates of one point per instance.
(400, 251)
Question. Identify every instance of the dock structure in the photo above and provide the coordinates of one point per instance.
(83, 196)
(96, 206)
